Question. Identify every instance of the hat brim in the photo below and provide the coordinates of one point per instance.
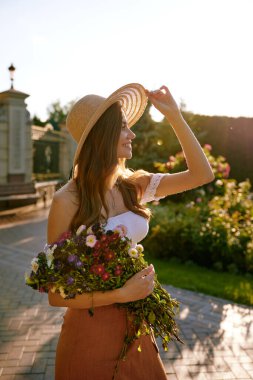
(133, 100)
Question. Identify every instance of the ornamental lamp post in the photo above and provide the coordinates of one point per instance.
(11, 70)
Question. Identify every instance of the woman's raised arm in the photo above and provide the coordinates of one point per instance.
(199, 170)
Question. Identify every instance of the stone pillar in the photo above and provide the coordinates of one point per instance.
(15, 144)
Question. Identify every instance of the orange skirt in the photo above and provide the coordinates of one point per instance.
(89, 347)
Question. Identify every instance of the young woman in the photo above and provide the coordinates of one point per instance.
(104, 190)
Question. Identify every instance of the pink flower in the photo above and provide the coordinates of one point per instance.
(220, 168)
(91, 240)
(64, 236)
(121, 229)
(198, 200)
(226, 171)
(208, 147)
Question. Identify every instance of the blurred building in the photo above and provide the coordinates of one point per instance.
(34, 160)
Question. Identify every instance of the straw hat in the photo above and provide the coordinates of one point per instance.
(86, 111)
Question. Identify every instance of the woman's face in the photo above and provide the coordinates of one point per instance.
(125, 140)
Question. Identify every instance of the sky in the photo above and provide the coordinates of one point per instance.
(65, 49)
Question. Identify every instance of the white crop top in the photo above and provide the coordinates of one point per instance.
(137, 226)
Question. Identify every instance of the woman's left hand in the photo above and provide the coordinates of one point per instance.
(164, 102)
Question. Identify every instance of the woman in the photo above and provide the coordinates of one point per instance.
(104, 190)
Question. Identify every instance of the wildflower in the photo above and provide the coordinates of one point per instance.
(219, 182)
(121, 229)
(62, 293)
(50, 249)
(91, 240)
(46, 246)
(80, 229)
(72, 258)
(139, 248)
(133, 253)
(64, 236)
(70, 280)
(53, 289)
(50, 254)
(118, 270)
(109, 256)
(198, 200)
(97, 269)
(79, 264)
(105, 276)
(169, 165)
(208, 147)
(35, 265)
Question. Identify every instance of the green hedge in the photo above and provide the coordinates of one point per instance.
(216, 233)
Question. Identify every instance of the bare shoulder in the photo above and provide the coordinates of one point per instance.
(63, 208)
(67, 194)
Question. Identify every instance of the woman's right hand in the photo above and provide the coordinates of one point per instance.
(139, 286)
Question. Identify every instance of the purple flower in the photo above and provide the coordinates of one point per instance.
(72, 258)
(70, 280)
(57, 265)
(79, 263)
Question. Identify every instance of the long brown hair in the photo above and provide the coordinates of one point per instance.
(98, 160)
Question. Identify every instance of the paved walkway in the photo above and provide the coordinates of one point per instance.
(218, 335)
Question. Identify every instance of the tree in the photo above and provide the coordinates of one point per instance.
(57, 113)
(36, 121)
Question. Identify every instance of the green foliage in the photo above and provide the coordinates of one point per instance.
(57, 113)
(231, 137)
(177, 163)
(36, 121)
(211, 226)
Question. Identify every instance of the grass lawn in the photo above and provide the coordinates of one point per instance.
(237, 288)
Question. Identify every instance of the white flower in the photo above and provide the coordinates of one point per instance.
(139, 248)
(133, 253)
(91, 240)
(51, 250)
(63, 295)
(50, 258)
(219, 182)
(35, 265)
(46, 247)
(50, 255)
(53, 289)
(80, 229)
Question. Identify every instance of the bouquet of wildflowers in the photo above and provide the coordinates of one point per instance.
(94, 259)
